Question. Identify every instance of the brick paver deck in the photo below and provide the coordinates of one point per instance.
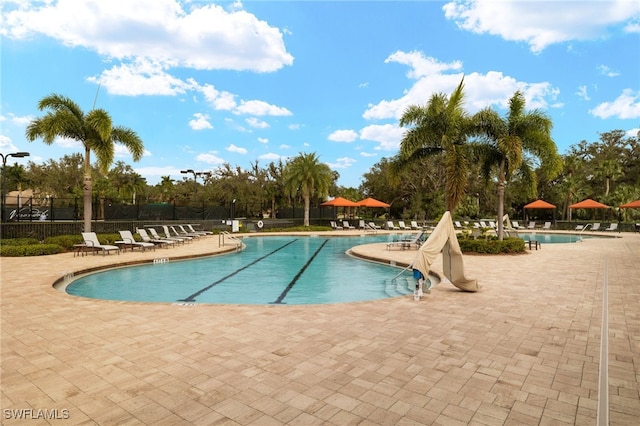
(525, 350)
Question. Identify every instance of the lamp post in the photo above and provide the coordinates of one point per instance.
(4, 178)
(195, 178)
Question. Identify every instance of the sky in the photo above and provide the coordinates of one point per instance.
(205, 83)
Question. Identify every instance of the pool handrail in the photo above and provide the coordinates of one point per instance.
(239, 244)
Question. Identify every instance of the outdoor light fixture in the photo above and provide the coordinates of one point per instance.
(4, 177)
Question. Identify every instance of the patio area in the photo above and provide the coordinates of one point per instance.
(525, 350)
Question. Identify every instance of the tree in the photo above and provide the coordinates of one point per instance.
(442, 126)
(94, 130)
(306, 174)
(608, 170)
(506, 140)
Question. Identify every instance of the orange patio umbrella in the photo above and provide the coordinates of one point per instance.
(631, 205)
(539, 204)
(588, 204)
(339, 202)
(372, 202)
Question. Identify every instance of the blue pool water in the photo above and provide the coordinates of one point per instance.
(271, 270)
(554, 238)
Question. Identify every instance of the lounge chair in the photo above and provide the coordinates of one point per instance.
(335, 226)
(403, 226)
(190, 227)
(362, 225)
(168, 234)
(155, 235)
(458, 224)
(579, 227)
(547, 225)
(492, 225)
(347, 225)
(179, 231)
(414, 225)
(415, 242)
(129, 241)
(611, 227)
(515, 224)
(532, 225)
(372, 225)
(483, 224)
(595, 226)
(91, 241)
(390, 225)
(147, 239)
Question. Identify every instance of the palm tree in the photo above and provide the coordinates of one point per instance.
(306, 174)
(609, 170)
(94, 130)
(441, 126)
(508, 139)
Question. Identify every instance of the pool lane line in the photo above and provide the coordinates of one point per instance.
(602, 416)
(199, 292)
(298, 275)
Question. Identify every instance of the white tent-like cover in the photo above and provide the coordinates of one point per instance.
(443, 239)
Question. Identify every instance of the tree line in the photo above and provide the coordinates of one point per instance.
(480, 165)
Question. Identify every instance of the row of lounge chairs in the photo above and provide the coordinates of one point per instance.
(390, 225)
(172, 235)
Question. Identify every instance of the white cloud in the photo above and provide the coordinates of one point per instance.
(209, 158)
(260, 108)
(219, 100)
(203, 37)
(368, 154)
(387, 135)
(263, 140)
(68, 143)
(626, 106)
(236, 149)
(6, 145)
(541, 24)
(121, 151)
(605, 70)
(295, 126)
(149, 172)
(271, 157)
(343, 136)
(258, 124)
(15, 119)
(633, 133)
(582, 93)
(200, 122)
(342, 163)
(480, 90)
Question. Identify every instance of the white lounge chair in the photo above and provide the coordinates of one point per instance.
(532, 225)
(179, 231)
(91, 241)
(334, 225)
(168, 234)
(547, 225)
(611, 227)
(595, 226)
(129, 241)
(415, 242)
(458, 224)
(403, 226)
(515, 224)
(190, 227)
(147, 239)
(347, 225)
(155, 235)
(372, 225)
(390, 225)
(414, 225)
(361, 224)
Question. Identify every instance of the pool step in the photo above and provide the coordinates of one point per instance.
(400, 286)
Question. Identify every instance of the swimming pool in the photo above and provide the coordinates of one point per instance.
(271, 270)
(555, 238)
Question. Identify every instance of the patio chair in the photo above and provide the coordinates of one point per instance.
(372, 225)
(391, 225)
(414, 225)
(334, 225)
(168, 234)
(415, 242)
(191, 228)
(347, 225)
(147, 239)
(179, 231)
(91, 241)
(458, 224)
(403, 226)
(611, 227)
(595, 226)
(129, 241)
(532, 225)
(547, 225)
(515, 224)
(155, 235)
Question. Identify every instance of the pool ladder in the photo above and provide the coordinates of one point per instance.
(221, 237)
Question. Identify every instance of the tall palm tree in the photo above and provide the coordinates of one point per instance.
(441, 126)
(308, 175)
(608, 170)
(506, 140)
(95, 130)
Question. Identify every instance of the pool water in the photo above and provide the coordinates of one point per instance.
(554, 238)
(271, 270)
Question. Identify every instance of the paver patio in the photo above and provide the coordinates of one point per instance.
(523, 350)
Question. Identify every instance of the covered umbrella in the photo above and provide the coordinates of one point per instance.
(339, 202)
(588, 204)
(631, 205)
(372, 202)
(539, 204)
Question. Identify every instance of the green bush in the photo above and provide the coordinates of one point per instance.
(492, 245)
(19, 241)
(64, 241)
(29, 250)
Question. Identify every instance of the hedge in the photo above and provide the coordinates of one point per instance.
(30, 250)
(492, 245)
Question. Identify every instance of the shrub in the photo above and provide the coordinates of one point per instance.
(64, 241)
(19, 241)
(29, 250)
(492, 245)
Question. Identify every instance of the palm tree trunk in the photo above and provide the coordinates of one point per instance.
(87, 188)
(307, 204)
(501, 180)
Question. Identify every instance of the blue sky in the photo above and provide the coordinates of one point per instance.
(204, 83)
